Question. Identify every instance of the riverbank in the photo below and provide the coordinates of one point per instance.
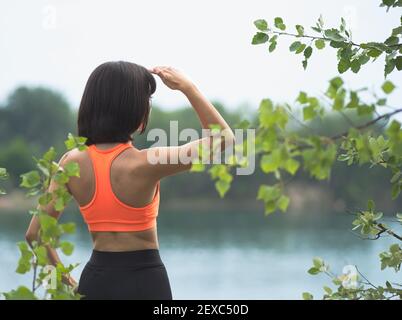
(302, 197)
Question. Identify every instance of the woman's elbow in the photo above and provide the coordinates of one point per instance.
(30, 237)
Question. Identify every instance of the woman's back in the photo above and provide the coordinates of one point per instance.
(131, 185)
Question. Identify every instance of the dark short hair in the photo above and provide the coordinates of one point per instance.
(115, 103)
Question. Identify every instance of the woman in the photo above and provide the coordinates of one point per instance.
(118, 188)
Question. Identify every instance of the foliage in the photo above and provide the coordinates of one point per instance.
(368, 222)
(356, 147)
(16, 156)
(3, 176)
(351, 55)
(35, 258)
(40, 116)
(284, 153)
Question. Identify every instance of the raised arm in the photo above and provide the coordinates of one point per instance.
(207, 114)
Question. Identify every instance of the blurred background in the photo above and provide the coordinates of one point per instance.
(212, 248)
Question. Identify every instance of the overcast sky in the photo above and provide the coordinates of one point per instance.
(58, 43)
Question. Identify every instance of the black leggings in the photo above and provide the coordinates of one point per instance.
(125, 275)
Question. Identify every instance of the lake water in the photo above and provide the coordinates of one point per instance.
(229, 255)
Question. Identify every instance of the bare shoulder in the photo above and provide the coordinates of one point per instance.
(141, 163)
(73, 155)
(139, 159)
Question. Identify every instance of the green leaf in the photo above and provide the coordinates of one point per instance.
(371, 205)
(336, 83)
(355, 65)
(30, 179)
(320, 44)
(259, 38)
(398, 63)
(24, 263)
(307, 296)
(309, 113)
(308, 51)
(318, 262)
(396, 31)
(222, 187)
(197, 167)
(301, 49)
(339, 101)
(41, 255)
(388, 87)
(45, 199)
(391, 41)
(3, 174)
(300, 30)
(261, 24)
(305, 63)
(268, 193)
(72, 169)
(294, 46)
(50, 154)
(272, 46)
(270, 207)
(363, 59)
(68, 227)
(279, 23)
(374, 53)
(334, 35)
(21, 293)
(265, 113)
(67, 248)
(291, 165)
(59, 205)
(302, 98)
(321, 21)
(313, 271)
(389, 66)
(48, 224)
(283, 203)
(75, 142)
(343, 66)
(328, 290)
(269, 163)
(70, 143)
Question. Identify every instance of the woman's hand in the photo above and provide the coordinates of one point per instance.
(69, 280)
(173, 78)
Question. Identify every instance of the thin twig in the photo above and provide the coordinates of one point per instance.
(34, 277)
(347, 119)
(362, 275)
(389, 231)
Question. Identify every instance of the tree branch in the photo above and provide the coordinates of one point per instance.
(368, 124)
(389, 231)
(283, 33)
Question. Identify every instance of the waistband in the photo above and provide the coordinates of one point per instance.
(137, 258)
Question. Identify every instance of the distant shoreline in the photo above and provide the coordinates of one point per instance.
(302, 198)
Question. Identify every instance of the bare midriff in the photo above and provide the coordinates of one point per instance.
(125, 241)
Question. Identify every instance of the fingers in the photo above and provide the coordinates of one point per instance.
(160, 69)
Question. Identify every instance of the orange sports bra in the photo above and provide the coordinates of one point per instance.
(105, 212)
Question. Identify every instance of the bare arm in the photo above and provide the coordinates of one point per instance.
(32, 233)
(207, 114)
